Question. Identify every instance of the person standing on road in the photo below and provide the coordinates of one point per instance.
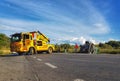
(65, 48)
(76, 47)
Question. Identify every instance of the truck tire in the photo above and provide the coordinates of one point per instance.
(50, 50)
(31, 51)
(19, 53)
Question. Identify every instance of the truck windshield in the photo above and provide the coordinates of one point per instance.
(16, 38)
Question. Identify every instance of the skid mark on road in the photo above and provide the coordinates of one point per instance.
(39, 59)
(50, 65)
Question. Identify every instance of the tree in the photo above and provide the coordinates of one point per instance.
(57, 48)
(4, 41)
(101, 45)
(65, 46)
(115, 44)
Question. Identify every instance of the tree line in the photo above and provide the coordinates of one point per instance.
(107, 47)
(110, 45)
(4, 41)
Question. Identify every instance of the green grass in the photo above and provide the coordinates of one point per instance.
(110, 51)
(4, 51)
(100, 51)
(70, 50)
(1, 52)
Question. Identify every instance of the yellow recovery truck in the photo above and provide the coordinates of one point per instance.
(30, 43)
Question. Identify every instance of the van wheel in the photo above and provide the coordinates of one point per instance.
(20, 53)
(50, 50)
(31, 51)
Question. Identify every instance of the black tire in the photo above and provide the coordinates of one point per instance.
(31, 51)
(50, 50)
(20, 53)
(39, 52)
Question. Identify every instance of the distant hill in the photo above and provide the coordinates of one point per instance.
(4, 41)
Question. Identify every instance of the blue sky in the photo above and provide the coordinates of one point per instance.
(63, 20)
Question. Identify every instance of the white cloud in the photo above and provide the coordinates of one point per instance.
(93, 41)
(9, 28)
(111, 39)
(81, 20)
(74, 39)
(79, 40)
(82, 40)
(101, 27)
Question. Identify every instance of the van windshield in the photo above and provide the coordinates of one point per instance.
(16, 38)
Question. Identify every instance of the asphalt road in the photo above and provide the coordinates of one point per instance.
(60, 67)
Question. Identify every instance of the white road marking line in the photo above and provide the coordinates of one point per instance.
(39, 59)
(50, 65)
(79, 80)
(36, 77)
(34, 57)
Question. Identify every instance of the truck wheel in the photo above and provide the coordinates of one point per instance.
(20, 53)
(50, 50)
(31, 51)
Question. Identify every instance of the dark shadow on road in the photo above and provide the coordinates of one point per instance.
(14, 55)
(10, 55)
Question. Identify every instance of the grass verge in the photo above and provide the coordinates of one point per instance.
(110, 51)
(4, 52)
